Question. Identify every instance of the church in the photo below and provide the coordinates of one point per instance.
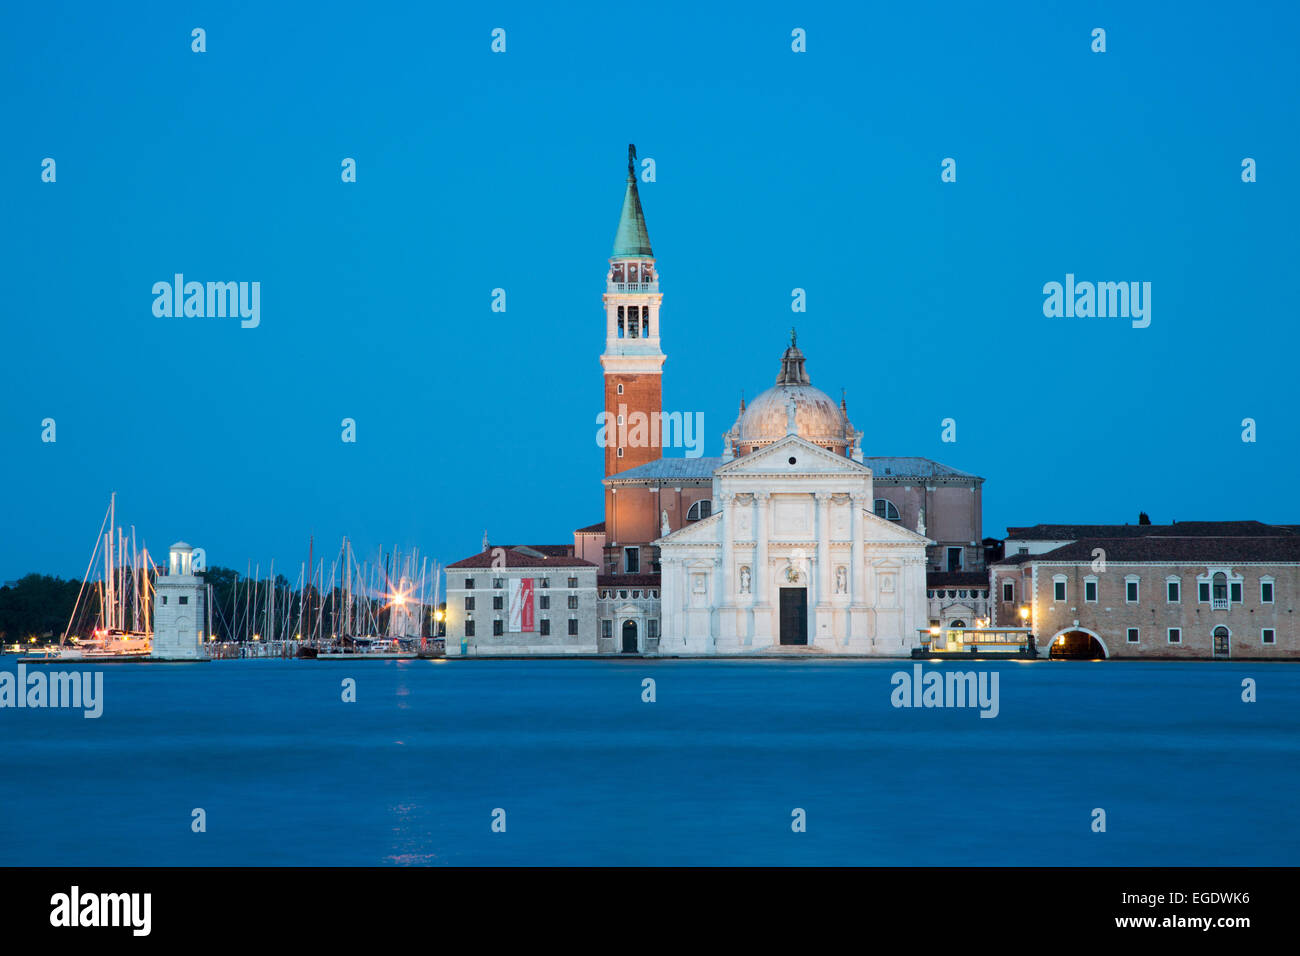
(790, 542)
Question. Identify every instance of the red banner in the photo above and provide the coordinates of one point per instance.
(526, 599)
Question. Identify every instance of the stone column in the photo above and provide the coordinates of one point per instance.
(857, 587)
(823, 547)
(727, 593)
(759, 578)
(760, 616)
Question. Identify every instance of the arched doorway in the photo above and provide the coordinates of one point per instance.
(1222, 642)
(1077, 644)
(629, 637)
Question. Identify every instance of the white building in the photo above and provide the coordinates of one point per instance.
(179, 609)
(794, 557)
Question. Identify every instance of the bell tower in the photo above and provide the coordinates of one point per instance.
(632, 361)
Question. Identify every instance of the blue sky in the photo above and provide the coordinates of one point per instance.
(775, 170)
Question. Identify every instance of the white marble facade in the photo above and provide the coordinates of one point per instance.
(794, 559)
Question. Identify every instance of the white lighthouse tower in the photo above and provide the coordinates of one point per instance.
(179, 609)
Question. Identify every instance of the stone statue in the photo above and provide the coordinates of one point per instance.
(790, 409)
(920, 523)
(744, 579)
(663, 522)
(841, 580)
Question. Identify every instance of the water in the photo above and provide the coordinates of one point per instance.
(710, 773)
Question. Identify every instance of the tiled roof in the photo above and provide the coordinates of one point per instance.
(552, 550)
(1015, 559)
(597, 528)
(956, 579)
(898, 467)
(1282, 549)
(667, 468)
(1205, 529)
(627, 580)
(701, 468)
(515, 558)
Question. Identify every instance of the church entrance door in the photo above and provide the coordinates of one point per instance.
(629, 637)
(794, 615)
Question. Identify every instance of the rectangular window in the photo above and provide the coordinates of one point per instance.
(955, 558)
(607, 630)
(1267, 636)
(498, 582)
(1266, 592)
(1008, 592)
(469, 628)
(1131, 592)
(1023, 551)
(183, 599)
(498, 627)
(469, 602)
(546, 583)
(469, 584)
(1058, 590)
(1090, 591)
(1203, 591)
(1173, 592)
(545, 626)
(652, 628)
(164, 600)
(1175, 635)
(573, 582)
(544, 602)
(1132, 635)
(573, 626)
(573, 602)
(632, 560)
(1235, 587)
(498, 602)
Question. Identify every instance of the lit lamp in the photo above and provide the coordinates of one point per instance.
(1024, 615)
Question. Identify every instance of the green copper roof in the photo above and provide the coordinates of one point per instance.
(632, 241)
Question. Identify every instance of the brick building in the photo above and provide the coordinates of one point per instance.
(1186, 590)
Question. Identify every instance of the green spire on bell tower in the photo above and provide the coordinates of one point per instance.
(632, 241)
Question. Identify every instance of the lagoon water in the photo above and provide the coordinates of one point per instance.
(1187, 773)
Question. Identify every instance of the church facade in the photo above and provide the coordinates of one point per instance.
(787, 543)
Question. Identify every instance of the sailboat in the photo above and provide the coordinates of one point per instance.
(122, 628)
(362, 637)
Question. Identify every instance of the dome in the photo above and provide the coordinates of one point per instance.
(817, 417)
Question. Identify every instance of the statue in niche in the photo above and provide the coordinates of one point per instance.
(663, 522)
(744, 579)
(841, 580)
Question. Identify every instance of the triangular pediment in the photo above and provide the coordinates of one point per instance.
(703, 531)
(876, 528)
(774, 460)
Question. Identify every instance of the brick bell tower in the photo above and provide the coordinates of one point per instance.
(633, 362)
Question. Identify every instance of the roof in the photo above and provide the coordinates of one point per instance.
(1219, 529)
(956, 579)
(597, 528)
(667, 468)
(627, 580)
(523, 556)
(1014, 559)
(631, 241)
(1274, 548)
(903, 467)
(555, 550)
